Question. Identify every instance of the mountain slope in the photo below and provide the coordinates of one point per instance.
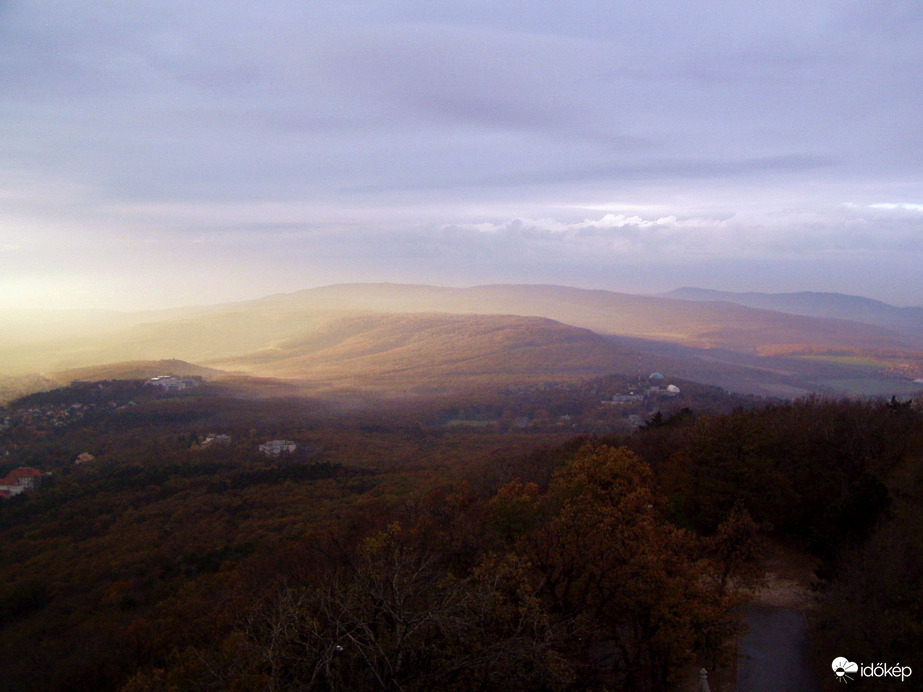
(907, 320)
(392, 335)
(136, 370)
(226, 331)
(698, 324)
(435, 351)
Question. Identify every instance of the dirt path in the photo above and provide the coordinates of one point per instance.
(774, 655)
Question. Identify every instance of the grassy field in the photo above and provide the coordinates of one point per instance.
(859, 361)
(872, 386)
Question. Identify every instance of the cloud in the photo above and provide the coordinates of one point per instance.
(553, 226)
(226, 101)
(684, 239)
(904, 206)
(482, 131)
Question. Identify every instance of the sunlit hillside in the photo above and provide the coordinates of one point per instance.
(436, 350)
(135, 370)
(700, 324)
(905, 320)
(406, 336)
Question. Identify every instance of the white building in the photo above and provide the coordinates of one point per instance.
(21, 480)
(274, 448)
(168, 383)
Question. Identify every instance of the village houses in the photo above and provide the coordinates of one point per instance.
(274, 448)
(21, 480)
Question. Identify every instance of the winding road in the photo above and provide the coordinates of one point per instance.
(773, 656)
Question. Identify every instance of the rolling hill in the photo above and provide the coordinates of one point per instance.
(436, 351)
(406, 336)
(696, 324)
(904, 320)
(136, 370)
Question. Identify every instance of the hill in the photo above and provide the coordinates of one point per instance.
(15, 386)
(905, 320)
(435, 351)
(700, 324)
(740, 348)
(406, 337)
(135, 370)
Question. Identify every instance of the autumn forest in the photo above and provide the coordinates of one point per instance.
(456, 544)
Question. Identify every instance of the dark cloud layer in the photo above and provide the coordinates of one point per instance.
(133, 138)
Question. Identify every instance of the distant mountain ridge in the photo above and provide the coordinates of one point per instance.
(906, 320)
(213, 334)
(398, 335)
(704, 325)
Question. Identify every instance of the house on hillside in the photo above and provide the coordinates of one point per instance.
(169, 383)
(274, 448)
(84, 458)
(216, 439)
(21, 480)
(630, 398)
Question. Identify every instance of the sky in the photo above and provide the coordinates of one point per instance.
(178, 153)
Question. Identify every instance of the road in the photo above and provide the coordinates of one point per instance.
(774, 654)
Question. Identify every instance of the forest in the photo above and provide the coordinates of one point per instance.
(524, 539)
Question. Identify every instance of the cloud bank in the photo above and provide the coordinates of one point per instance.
(272, 146)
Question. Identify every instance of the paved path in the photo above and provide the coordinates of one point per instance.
(773, 655)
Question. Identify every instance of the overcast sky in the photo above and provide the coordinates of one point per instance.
(174, 153)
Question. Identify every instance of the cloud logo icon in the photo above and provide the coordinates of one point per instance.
(843, 666)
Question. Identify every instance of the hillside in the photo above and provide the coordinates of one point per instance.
(405, 336)
(224, 331)
(702, 325)
(436, 351)
(135, 370)
(906, 320)
(175, 563)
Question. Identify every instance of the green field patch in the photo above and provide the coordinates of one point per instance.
(856, 361)
(870, 386)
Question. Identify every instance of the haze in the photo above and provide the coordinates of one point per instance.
(166, 154)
